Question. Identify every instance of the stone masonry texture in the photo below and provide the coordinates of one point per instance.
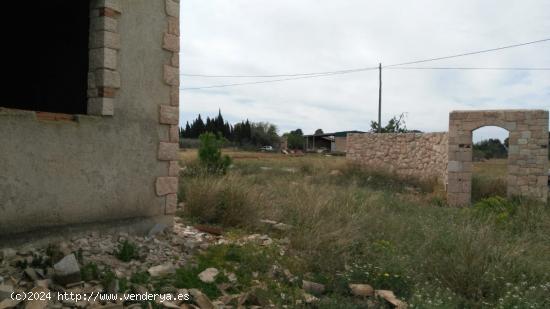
(421, 155)
(448, 156)
(527, 152)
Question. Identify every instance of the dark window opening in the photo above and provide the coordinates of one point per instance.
(45, 47)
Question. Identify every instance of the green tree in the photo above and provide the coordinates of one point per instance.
(295, 139)
(264, 134)
(395, 125)
(489, 149)
(210, 154)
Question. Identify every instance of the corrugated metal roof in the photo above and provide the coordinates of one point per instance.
(335, 134)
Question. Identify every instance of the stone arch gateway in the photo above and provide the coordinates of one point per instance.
(527, 152)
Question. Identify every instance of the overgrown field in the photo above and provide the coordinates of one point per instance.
(352, 225)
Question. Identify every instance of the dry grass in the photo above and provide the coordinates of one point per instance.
(495, 168)
(356, 225)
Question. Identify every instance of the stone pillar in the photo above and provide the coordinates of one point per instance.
(527, 153)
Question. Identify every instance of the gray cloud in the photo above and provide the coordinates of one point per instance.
(291, 36)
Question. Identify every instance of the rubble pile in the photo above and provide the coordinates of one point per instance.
(58, 268)
(45, 277)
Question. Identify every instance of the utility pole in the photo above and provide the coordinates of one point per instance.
(380, 98)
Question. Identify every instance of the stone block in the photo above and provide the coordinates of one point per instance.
(510, 126)
(456, 115)
(107, 39)
(103, 58)
(174, 25)
(172, 8)
(174, 169)
(171, 204)
(169, 114)
(174, 134)
(171, 75)
(101, 106)
(171, 42)
(103, 23)
(107, 78)
(91, 80)
(174, 96)
(166, 185)
(106, 92)
(513, 149)
(168, 151)
(175, 60)
(92, 92)
(108, 12)
(111, 4)
(454, 166)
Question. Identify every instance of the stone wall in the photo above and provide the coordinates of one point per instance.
(527, 152)
(421, 155)
(340, 144)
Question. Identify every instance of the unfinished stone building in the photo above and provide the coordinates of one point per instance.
(89, 115)
(448, 156)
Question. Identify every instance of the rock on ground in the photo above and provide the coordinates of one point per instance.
(391, 298)
(162, 270)
(209, 275)
(37, 303)
(313, 287)
(202, 300)
(67, 270)
(5, 291)
(361, 290)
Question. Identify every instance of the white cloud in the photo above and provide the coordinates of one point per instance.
(289, 36)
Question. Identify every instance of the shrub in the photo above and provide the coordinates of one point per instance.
(484, 187)
(224, 201)
(382, 179)
(496, 206)
(89, 272)
(127, 251)
(210, 154)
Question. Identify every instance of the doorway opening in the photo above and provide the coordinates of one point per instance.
(490, 162)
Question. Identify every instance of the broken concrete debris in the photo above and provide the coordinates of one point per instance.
(72, 267)
(67, 270)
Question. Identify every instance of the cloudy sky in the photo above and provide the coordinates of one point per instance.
(265, 37)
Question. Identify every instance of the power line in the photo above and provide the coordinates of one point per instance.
(469, 53)
(469, 68)
(282, 75)
(367, 68)
(265, 81)
(391, 66)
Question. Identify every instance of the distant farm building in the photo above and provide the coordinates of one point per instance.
(329, 142)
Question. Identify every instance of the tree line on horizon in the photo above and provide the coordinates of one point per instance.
(244, 133)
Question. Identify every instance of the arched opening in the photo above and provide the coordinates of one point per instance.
(490, 162)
